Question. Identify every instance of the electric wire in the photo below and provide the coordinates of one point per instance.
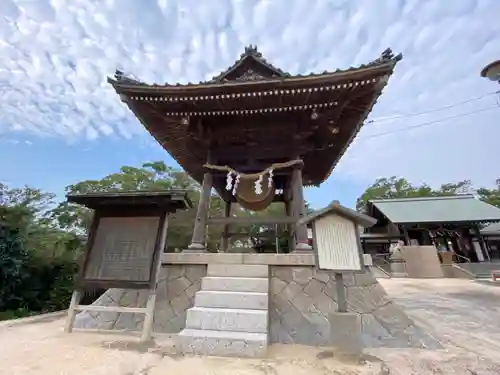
(396, 117)
(429, 123)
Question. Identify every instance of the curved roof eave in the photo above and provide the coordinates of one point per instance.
(135, 86)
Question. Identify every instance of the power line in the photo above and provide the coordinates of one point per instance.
(430, 122)
(432, 110)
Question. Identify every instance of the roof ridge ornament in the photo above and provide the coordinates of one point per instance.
(121, 77)
(387, 56)
(251, 50)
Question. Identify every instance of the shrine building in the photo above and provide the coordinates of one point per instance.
(257, 134)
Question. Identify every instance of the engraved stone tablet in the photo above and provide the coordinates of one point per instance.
(123, 249)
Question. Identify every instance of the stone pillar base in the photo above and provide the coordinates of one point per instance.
(302, 248)
(195, 248)
(345, 332)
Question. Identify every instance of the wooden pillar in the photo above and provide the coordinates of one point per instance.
(482, 244)
(75, 301)
(446, 244)
(341, 295)
(198, 241)
(290, 227)
(225, 233)
(299, 208)
(406, 236)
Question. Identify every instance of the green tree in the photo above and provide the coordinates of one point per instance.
(397, 187)
(491, 196)
(149, 177)
(152, 176)
(37, 259)
(29, 211)
(13, 258)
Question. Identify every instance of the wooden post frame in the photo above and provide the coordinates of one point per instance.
(126, 239)
(336, 242)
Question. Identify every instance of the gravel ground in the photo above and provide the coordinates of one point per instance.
(463, 315)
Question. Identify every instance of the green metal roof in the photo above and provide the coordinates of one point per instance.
(451, 209)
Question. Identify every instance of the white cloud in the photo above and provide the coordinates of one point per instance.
(56, 56)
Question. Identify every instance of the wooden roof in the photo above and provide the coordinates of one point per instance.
(255, 110)
(172, 200)
(335, 208)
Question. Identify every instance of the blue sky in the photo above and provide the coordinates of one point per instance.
(60, 122)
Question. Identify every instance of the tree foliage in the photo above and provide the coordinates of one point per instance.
(152, 176)
(37, 260)
(13, 258)
(491, 196)
(40, 241)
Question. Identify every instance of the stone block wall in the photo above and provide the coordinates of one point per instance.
(302, 297)
(177, 287)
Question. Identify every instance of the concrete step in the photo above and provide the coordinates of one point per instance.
(238, 270)
(398, 274)
(238, 320)
(236, 284)
(235, 300)
(379, 273)
(222, 343)
(483, 276)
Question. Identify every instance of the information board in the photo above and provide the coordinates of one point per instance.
(337, 244)
(123, 249)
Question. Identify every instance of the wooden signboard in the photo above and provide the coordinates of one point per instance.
(337, 246)
(124, 251)
(336, 243)
(126, 239)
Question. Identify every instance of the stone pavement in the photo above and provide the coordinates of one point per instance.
(462, 314)
(459, 313)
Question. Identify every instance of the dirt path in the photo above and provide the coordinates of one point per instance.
(43, 348)
(460, 313)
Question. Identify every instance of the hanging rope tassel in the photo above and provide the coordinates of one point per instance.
(258, 185)
(236, 182)
(229, 181)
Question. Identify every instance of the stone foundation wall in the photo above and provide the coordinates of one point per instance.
(302, 297)
(176, 290)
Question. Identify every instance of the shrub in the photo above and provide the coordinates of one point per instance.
(13, 271)
(29, 281)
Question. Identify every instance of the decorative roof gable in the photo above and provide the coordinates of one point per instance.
(251, 66)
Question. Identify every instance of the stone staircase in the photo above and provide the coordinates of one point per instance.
(230, 313)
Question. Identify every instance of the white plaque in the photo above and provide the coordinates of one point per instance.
(337, 244)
